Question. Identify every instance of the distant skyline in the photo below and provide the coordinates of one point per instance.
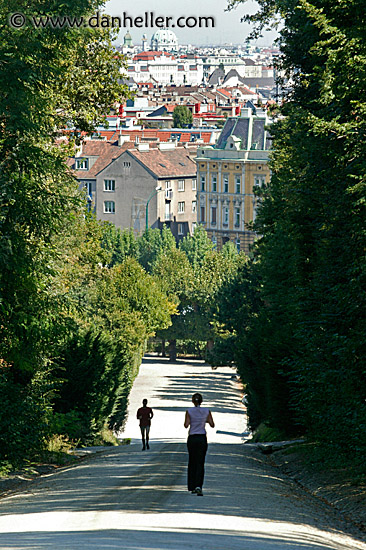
(228, 28)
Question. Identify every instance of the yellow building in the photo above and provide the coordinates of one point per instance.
(226, 175)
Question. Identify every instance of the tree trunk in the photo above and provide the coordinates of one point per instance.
(172, 350)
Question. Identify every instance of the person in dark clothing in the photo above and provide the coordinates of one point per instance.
(144, 415)
(196, 419)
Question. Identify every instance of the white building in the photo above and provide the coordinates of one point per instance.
(165, 68)
(164, 40)
(245, 67)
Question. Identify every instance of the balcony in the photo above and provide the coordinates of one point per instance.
(168, 217)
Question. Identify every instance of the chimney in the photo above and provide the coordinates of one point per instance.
(122, 139)
(166, 146)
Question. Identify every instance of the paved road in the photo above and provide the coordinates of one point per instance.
(132, 500)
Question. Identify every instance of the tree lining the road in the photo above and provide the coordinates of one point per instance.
(298, 331)
(73, 330)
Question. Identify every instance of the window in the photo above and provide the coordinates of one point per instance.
(259, 180)
(226, 183)
(213, 215)
(202, 213)
(89, 189)
(167, 212)
(194, 185)
(181, 185)
(203, 182)
(180, 229)
(194, 226)
(89, 194)
(126, 164)
(82, 164)
(109, 207)
(237, 184)
(255, 206)
(181, 207)
(214, 183)
(109, 185)
(168, 190)
(194, 206)
(237, 243)
(214, 241)
(237, 217)
(226, 215)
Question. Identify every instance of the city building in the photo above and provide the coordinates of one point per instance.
(164, 40)
(227, 175)
(124, 182)
(163, 68)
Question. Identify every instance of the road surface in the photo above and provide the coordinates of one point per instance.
(127, 499)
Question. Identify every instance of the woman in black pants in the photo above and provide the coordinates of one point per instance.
(196, 419)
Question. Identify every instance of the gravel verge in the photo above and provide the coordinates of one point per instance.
(335, 487)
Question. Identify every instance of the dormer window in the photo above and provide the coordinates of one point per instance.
(82, 164)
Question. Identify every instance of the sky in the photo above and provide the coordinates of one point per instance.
(228, 27)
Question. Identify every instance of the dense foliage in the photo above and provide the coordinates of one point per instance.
(299, 329)
(182, 116)
(73, 325)
(191, 275)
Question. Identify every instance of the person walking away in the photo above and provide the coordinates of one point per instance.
(196, 419)
(144, 415)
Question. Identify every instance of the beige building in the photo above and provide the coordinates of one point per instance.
(227, 174)
(174, 172)
(124, 182)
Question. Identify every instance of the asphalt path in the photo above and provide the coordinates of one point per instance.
(131, 499)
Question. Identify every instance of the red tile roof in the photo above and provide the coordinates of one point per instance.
(147, 56)
(163, 135)
(224, 92)
(168, 164)
(106, 152)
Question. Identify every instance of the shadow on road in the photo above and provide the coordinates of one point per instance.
(125, 498)
(160, 540)
(236, 483)
(215, 388)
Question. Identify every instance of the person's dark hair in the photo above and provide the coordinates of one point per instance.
(197, 398)
(144, 402)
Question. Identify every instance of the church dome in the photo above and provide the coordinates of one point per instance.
(164, 39)
(127, 40)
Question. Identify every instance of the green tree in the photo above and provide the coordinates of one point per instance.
(54, 84)
(196, 246)
(310, 259)
(121, 243)
(152, 244)
(182, 116)
(192, 276)
(99, 362)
